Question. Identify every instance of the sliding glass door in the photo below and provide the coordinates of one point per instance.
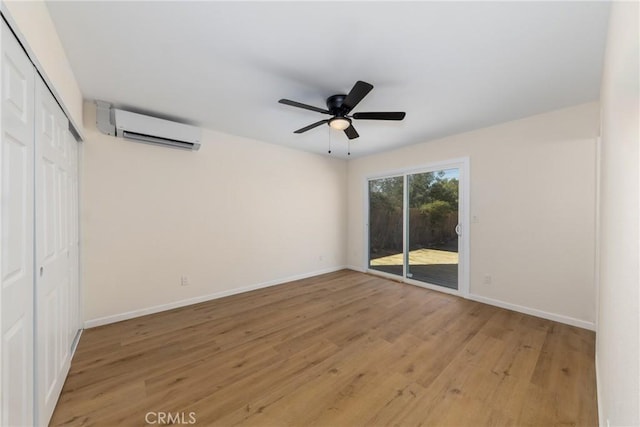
(432, 220)
(385, 225)
(415, 224)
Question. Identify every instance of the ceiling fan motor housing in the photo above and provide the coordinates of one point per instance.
(334, 105)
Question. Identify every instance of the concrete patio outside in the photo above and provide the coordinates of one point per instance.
(426, 265)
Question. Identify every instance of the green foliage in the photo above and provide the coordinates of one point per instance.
(433, 194)
(387, 192)
(436, 211)
(380, 201)
(428, 187)
(385, 214)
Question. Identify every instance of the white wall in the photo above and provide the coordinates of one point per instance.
(238, 213)
(533, 192)
(33, 26)
(618, 333)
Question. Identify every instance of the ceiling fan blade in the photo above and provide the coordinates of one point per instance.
(359, 91)
(395, 115)
(311, 126)
(305, 106)
(351, 132)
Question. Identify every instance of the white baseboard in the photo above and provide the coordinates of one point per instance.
(509, 306)
(75, 343)
(535, 312)
(195, 300)
(92, 323)
(601, 417)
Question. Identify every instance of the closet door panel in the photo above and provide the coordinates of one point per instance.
(73, 241)
(17, 267)
(52, 255)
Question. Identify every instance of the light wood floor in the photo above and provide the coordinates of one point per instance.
(342, 349)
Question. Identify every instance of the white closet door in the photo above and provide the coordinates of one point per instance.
(52, 251)
(16, 291)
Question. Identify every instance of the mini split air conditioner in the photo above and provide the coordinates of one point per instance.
(146, 129)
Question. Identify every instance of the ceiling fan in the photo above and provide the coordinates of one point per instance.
(339, 106)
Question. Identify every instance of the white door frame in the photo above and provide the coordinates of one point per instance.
(464, 200)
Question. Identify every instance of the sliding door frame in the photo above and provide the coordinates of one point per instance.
(464, 199)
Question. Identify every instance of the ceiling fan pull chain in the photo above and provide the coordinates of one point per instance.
(329, 140)
(349, 147)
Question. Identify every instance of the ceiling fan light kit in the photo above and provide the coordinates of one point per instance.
(339, 123)
(339, 106)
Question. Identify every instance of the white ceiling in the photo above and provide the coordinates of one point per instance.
(452, 66)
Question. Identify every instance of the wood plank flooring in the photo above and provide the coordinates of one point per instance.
(341, 349)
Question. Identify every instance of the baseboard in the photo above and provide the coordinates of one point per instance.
(535, 312)
(601, 417)
(195, 300)
(515, 307)
(92, 323)
(76, 341)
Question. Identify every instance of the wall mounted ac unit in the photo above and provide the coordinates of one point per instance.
(149, 130)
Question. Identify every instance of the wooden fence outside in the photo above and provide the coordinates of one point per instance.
(386, 231)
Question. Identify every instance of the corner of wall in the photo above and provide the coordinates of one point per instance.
(34, 28)
(618, 320)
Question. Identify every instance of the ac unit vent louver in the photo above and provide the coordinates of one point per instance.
(138, 137)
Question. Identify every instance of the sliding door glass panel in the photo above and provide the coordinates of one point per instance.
(432, 219)
(385, 225)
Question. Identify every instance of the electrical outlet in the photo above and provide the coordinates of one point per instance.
(184, 281)
(487, 280)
